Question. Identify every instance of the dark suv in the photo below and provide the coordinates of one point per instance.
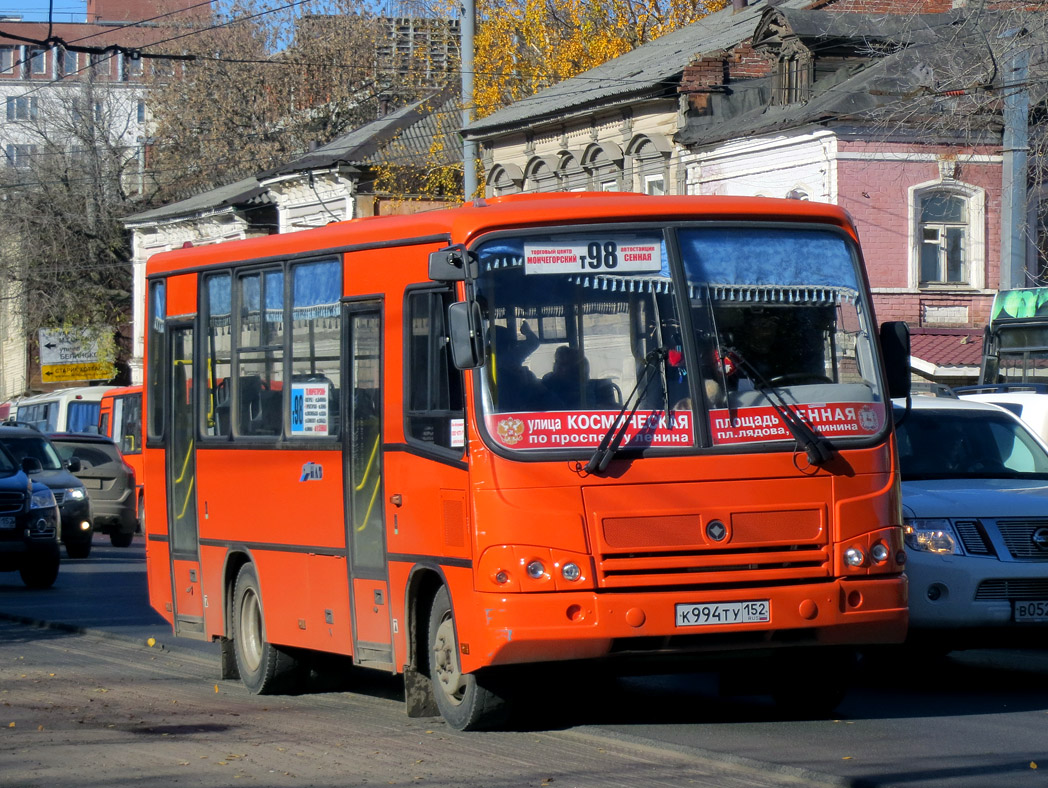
(110, 483)
(24, 443)
(28, 525)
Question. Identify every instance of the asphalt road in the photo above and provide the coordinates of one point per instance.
(975, 719)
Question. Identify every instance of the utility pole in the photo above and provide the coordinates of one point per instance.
(469, 147)
(1014, 147)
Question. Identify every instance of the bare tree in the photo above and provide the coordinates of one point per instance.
(266, 83)
(74, 169)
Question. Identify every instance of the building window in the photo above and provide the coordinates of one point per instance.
(7, 60)
(947, 235)
(21, 107)
(70, 63)
(37, 61)
(141, 110)
(943, 234)
(654, 184)
(20, 156)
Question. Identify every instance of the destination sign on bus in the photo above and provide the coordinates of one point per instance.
(833, 420)
(560, 430)
(616, 254)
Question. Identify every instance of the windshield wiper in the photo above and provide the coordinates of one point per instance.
(612, 439)
(819, 450)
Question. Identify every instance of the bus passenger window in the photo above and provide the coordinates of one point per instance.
(316, 334)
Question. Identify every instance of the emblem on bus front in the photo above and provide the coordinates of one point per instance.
(312, 472)
(716, 530)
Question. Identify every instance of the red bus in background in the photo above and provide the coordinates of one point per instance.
(120, 418)
(531, 432)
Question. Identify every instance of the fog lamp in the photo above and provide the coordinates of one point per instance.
(85, 526)
(536, 570)
(853, 556)
(879, 553)
(571, 571)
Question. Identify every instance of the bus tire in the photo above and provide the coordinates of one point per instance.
(264, 668)
(464, 700)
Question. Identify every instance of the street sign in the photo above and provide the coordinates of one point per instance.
(71, 355)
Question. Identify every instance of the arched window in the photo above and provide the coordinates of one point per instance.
(944, 249)
(947, 246)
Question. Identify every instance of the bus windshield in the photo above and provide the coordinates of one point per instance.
(589, 330)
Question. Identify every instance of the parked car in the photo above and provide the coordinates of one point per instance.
(975, 510)
(29, 525)
(1028, 401)
(27, 443)
(110, 483)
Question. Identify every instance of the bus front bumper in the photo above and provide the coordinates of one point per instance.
(519, 628)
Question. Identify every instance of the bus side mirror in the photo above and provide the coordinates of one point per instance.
(895, 350)
(448, 264)
(467, 338)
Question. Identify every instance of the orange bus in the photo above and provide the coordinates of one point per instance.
(529, 433)
(120, 418)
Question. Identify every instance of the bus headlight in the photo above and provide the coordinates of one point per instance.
(570, 571)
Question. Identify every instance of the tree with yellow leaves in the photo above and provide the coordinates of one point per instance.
(524, 46)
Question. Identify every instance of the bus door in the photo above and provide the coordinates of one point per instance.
(362, 471)
(181, 486)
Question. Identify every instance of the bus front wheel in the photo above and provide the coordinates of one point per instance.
(465, 700)
(264, 668)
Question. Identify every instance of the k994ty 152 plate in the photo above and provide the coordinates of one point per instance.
(701, 614)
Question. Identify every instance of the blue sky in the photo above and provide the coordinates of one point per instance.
(36, 10)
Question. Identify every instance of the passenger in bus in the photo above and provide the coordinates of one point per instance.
(568, 379)
(516, 386)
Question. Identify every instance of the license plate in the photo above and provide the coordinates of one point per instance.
(7, 522)
(712, 613)
(1031, 611)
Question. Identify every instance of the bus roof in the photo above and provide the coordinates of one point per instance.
(462, 224)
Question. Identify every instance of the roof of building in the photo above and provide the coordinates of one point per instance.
(905, 72)
(410, 131)
(946, 347)
(650, 70)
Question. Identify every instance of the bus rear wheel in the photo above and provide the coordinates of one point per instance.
(466, 700)
(264, 668)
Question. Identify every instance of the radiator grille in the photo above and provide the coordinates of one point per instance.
(1017, 536)
(973, 537)
(1013, 589)
(11, 502)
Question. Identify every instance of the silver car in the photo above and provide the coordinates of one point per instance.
(975, 508)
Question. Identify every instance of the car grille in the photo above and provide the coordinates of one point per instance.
(1018, 537)
(1035, 588)
(11, 502)
(1011, 539)
(59, 496)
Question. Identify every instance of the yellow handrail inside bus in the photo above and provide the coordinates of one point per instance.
(185, 504)
(367, 470)
(371, 505)
(189, 453)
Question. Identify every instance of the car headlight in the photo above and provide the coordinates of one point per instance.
(42, 499)
(76, 493)
(930, 535)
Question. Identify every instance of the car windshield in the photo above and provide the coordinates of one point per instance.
(968, 444)
(578, 322)
(22, 446)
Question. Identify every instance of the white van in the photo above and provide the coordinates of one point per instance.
(1028, 401)
(63, 410)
